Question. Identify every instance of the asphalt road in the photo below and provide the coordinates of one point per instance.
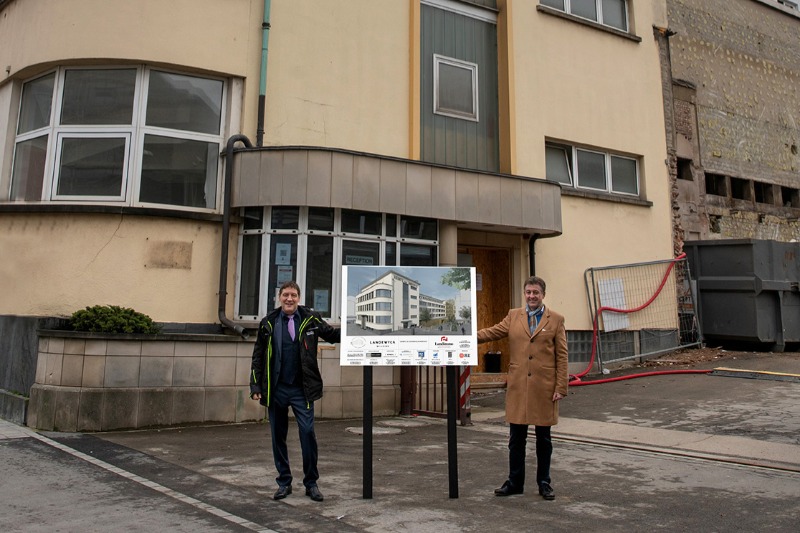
(671, 453)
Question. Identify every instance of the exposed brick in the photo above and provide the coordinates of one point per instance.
(743, 60)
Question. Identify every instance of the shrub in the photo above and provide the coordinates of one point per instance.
(112, 319)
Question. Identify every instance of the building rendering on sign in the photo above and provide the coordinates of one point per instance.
(394, 302)
(186, 162)
(434, 307)
(390, 303)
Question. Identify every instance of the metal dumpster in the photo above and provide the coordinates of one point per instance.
(747, 290)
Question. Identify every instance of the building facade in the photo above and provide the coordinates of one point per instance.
(185, 162)
(434, 307)
(390, 303)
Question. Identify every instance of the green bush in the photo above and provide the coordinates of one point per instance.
(112, 319)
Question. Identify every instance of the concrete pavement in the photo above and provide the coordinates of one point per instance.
(673, 452)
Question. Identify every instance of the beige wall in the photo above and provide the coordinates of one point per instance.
(188, 34)
(598, 234)
(165, 267)
(343, 81)
(352, 95)
(194, 33)
(585, 86)
(55, 264)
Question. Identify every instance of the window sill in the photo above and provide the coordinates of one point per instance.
(107, 209)
(608, 197)
(596, 25)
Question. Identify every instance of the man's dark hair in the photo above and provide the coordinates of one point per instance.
(291, 285)
(536, 280)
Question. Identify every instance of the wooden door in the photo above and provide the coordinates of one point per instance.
(493, 298)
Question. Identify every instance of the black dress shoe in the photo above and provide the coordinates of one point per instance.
(507, 490)
(314, 493)
(282, 492)
(547, 491)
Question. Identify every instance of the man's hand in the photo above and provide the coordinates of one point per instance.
(256, 396)
(557, 396)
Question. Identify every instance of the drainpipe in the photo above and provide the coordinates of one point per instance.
(262, 91)
(226, 230)
(532, 253)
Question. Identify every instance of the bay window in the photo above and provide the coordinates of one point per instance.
(119, 135)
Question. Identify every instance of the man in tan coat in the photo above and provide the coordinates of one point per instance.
(537, 380)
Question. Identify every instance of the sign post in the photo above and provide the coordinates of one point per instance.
(452, 444)
(367, 434)
(409, 316)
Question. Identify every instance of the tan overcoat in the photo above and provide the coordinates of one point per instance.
(538, 365)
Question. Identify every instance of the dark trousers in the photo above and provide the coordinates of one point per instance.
(283, 397)
(517, 442)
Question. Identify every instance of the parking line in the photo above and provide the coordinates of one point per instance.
(9, 430)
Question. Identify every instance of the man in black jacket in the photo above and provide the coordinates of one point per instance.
(285, 373)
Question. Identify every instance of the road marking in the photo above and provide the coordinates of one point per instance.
(755, 374)
(9, 430)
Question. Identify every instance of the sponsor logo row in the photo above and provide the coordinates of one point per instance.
(409, 357)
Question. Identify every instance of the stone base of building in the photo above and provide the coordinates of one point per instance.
(90, 382)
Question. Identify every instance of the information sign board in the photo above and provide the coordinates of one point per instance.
(408, 316)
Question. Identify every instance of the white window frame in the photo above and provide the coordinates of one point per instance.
(302, 232)
(567, 152)
(577, 170)
(135, 134)
(473, 68)
(60, 137)
(574, 171)
(44, 131)
(599, 9)
(609, 158)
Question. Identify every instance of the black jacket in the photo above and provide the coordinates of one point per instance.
(264, 374)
